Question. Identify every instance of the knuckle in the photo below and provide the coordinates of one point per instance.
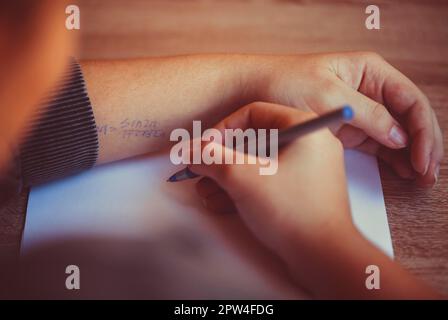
(249, 107)
(371, 56)
(378, 113)
(257, 105)
(253, 104)
(330, 89)
(422, 110)
(297, 116)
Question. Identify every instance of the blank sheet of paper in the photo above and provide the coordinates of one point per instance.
(366, 199)
(132, 199)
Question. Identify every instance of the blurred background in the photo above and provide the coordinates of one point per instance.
(410, 29)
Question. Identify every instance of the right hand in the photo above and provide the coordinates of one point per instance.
(303, 202)
(302, 212)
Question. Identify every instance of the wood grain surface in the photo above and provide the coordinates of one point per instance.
(413, 37)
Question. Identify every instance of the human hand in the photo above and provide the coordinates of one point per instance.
(302, 213)
(393, 118)
(286, 207)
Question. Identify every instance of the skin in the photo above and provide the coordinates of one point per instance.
(393, 118)
(316, 239)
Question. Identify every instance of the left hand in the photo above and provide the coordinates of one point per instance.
(393, 118)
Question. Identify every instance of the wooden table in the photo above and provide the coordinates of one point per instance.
(413, 37)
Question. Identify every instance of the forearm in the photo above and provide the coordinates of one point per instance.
(137, 103)
(336, 268)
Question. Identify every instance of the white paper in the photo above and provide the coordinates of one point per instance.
(132, 199)
(366, 199)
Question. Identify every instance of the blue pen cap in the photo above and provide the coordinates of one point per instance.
(347, 113)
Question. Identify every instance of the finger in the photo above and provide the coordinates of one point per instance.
(421, 127)
(227, 175)
(206, 187)
(430, 178)
(350, 136)
(373, 118)
(403, 98)
(255, 115)
(214, 197)
(262, 115)
(398, 160)
(220, 202)
(438, 152)
(369, 146)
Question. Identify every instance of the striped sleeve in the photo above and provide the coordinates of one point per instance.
(62, 139)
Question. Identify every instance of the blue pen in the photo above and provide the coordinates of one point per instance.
(287, 135)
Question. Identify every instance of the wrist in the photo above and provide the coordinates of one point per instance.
(256, 75)
(279, 79)
(332, 263)
(315, 241)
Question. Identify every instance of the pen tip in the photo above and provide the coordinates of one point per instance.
(181, 175)
(172, 178)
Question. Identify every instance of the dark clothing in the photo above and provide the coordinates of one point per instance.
(61, 138)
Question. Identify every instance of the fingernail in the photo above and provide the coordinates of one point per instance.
(426, 166)
(436, 173)
(398, 136)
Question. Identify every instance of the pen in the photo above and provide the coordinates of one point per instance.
(287, 135)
